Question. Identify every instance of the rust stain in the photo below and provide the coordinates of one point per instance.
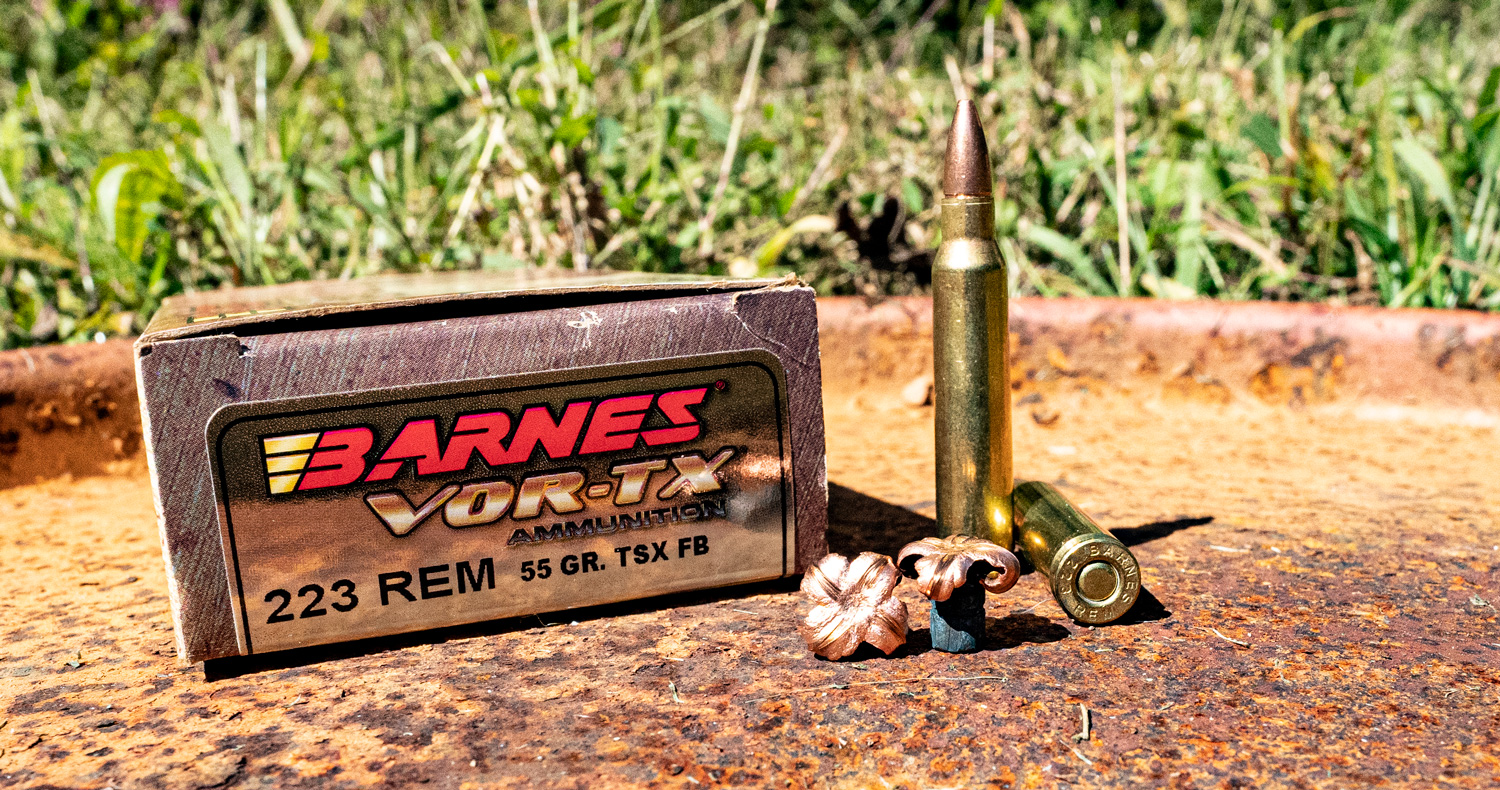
(1198, 387)
(1311, 375)
(67, 410)
(1146, 364)
(1110, 330)
(1059, 361)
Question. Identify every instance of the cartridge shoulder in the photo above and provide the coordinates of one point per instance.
(968, 255)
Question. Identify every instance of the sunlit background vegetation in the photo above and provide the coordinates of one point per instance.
(1254, 149)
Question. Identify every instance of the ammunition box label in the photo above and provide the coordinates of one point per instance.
(356, 515)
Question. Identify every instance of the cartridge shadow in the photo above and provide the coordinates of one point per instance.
(1156, 530)
(859, 522)
(1147, 609)
(918, 641)
(999, 634)
(1014, 630)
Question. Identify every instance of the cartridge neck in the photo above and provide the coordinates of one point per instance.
(967, 217)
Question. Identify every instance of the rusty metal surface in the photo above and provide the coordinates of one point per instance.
(1275, 353)
(1323, 581)
(67, 410)
(1445, 363)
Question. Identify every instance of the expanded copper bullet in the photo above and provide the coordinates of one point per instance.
(853, 603)
(955, 573)
(1093, 576)
(970, 390)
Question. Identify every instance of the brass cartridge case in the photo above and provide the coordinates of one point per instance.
(1093, 576)
(971, 393)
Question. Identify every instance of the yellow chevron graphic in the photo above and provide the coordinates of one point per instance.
(286, 458)
(287, 463)
(302, 442)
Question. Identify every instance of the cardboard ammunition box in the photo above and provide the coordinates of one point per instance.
(342, 460)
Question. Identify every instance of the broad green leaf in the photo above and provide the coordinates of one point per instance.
(13, 146)
(1312, 20)
(1262, 131)
(585, 74)
(1254, 183)
(911, 194)
(316, 178)
(573, 131)
(531, 100)
(231, 165)
(1427, 167)
(106, 189)
(1189, 253)
(1189, 130)
(1435, 179)
(757, 144)
(1164, 288)
(1176, 12)
(715, 119)
(14, 245)
(189, 126)
(502, 45)
(1488, 95)
(784, 201)
(1355, 205)
(1065, 17)
(1381, 246)
(769, 252)
(1489, 160)
(128, 190)
(610, 131)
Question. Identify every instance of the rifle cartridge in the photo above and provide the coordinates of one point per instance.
(971, 392)
(1094, 577)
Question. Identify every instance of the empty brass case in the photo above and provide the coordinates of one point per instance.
(1094, 577)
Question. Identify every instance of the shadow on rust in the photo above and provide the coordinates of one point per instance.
(858, 522)
(239, 666)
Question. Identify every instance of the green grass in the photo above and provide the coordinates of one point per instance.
(1262, 149)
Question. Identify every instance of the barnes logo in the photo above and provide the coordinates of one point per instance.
(334, 458)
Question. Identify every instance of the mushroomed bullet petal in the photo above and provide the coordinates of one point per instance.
(853, 603)
(1007, 573)
(942, 565)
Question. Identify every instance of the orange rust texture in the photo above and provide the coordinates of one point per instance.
(1355, 554)
(67, 410)
(1292, 355)
(73, 410)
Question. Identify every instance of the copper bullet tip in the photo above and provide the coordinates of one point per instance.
(966, 169)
